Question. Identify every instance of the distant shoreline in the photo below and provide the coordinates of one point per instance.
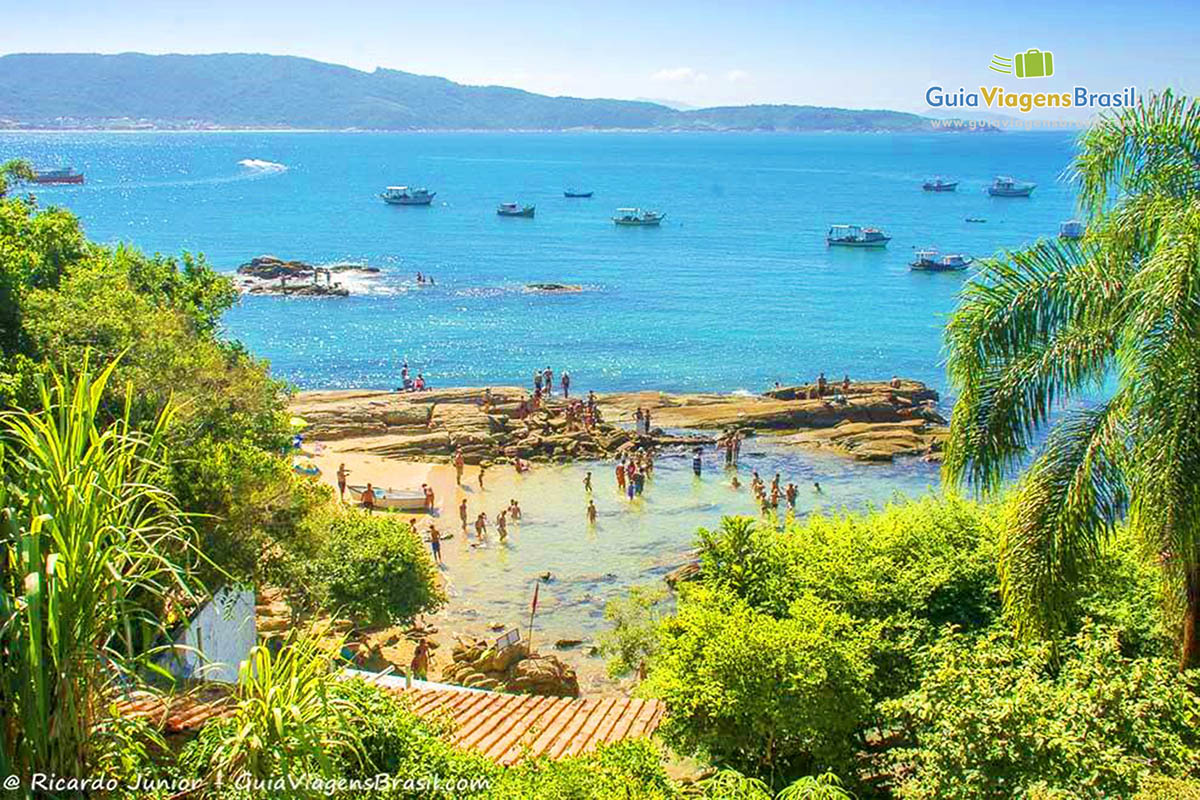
(421, 131)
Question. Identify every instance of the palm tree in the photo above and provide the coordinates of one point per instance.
(14, 171)
(1062, 322)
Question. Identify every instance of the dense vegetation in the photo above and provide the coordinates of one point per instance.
(243, 90)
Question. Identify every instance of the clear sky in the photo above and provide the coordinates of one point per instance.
(849, 54)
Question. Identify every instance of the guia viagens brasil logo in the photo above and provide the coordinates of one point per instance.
(1031, 63)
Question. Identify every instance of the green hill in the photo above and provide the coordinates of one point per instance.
(236, 90)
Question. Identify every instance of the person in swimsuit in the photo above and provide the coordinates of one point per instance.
(481, 526)
(697, 461)
(435, 543)
(481, 468)
(502, 524)
(591, 512)
(459, 464)
(462, 512)
(566, 384)
(790, 494)
(587, 483)
(514, 509)
(368, 498)
(537, 383)
(428, 492)
(342, 473)
(621, 477)
(420, 660)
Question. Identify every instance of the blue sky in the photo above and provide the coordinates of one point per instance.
(849, 54)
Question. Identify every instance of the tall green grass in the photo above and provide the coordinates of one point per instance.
(91, 553)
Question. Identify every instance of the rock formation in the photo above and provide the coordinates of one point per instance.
(480, 665)
(271, 275)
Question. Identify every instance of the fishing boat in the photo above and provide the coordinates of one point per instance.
(404, 196)
(1072, 229)
(939, 185)
(854, 236)
(409, 500)
(636, 216)
(932, 261)
(65, 175)
(976, 219)
(1005, 186)
(575, 193)
(514, 210)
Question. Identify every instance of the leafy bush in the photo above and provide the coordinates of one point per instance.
(773, 697)
(374, 568)
(633, 638)
(994, 717)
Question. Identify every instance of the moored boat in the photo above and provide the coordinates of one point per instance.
(391, 499)
(1005, 186)
(404, 196)
(939, 185)
(514, 210)
(932, 261)
(854, 236)
(576, 193)
(636, 216)
(64, 175)
(1072, 229)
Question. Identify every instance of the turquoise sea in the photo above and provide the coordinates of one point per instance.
(735, 291)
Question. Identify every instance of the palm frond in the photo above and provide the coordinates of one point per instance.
(1031, 330)
(1066, 503)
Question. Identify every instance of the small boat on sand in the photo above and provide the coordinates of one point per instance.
(939, 185)
(1004, 186)
(514, 210)
(404, 196)
(854, 236)
(1072, 229)
(575, 193)
(636, 216)
(405, 500)
(64, 175)
(932, 261)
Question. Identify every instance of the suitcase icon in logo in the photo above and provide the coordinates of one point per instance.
(1034, 63)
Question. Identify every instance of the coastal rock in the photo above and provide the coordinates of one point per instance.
(481, 665)
(877, 442)
(684, 572)
(268, 274)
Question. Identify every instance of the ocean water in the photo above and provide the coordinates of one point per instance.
(735, 291)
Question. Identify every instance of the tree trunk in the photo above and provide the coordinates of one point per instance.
(1189, 656)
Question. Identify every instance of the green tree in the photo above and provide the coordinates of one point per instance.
(14, 171)
(1052, 323)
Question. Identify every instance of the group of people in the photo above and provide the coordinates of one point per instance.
(408, 383)
(543, 383)
(511, 512)
(425, 280)
(632, 472)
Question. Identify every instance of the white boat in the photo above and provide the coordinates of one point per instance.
(636, 216)
(407, 500)
(404, 196)
(854, 236)
(931, 260)
(1072, 229)
(1005, 186)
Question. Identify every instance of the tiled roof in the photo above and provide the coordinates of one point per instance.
(185, 713)
(503, 727)
(509, 727)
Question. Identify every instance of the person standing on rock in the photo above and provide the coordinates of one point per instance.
(537, 383)
(342, 473)
(566, 384)
(822, 385)
(548, 381)
(459, 463)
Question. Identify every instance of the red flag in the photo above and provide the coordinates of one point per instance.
(536, 587)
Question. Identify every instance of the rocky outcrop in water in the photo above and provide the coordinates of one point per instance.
(268, 274)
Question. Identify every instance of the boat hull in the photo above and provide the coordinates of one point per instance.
(944, 187)
(46, 179)
(638, 223)
(872, 244)
(524, 212)
(392, 501)
(577, 194)
(409, 201)
(918, 267)
(1022, 192)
